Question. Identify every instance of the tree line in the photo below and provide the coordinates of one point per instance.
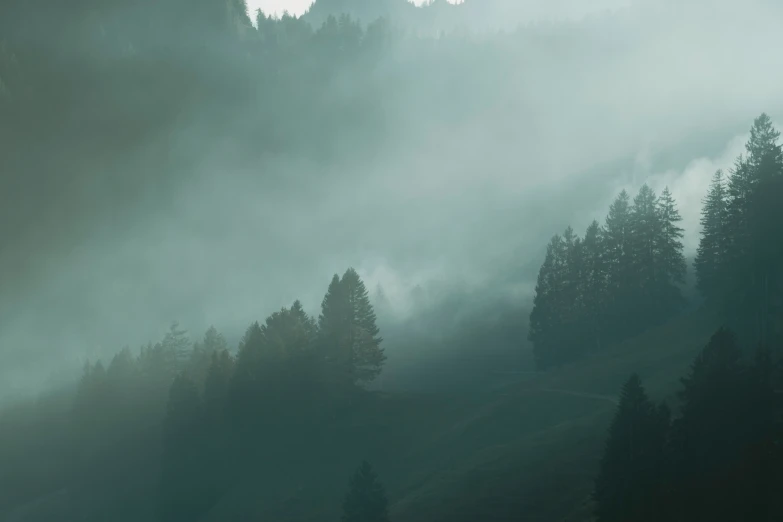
(627, 275)
(739, 262)
(291, 373)
(619, 279)
(720, 459)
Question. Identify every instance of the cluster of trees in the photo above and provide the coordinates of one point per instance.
(720, 459)
(620, 279)
(288, 373)
(739, 263)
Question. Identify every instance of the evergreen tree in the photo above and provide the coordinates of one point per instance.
(288, 333)
(201, 356)
(619, 264)
(218, 379)
(544, 315)
(645, 229)
(348, 331)
(711, 253)
(750, 278)
(366, 499)
(727, 410)
(572, 304)
(176, 348)
(628, 486)
(762, 143)
(594, 281)
(670, 262)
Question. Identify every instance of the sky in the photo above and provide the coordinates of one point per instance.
(528, 9)
(663, 95)
(294, 7)
(277, 7)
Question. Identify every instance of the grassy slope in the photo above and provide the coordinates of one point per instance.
(546, 472)
(530, 448)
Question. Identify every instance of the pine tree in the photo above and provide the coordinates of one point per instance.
(288, 333)
(631, 470)
(727, 410)
(670, 261)
(711, 253)
(645, 228)
(348, 331)
(572, 303)
(176, 349)
(749, 276)
(765, 220)
(544, 315)
(246, 384)
(594, 281)
(366, 499)
(218, 379)
(202, 353)
(619, 264)
(762, 143)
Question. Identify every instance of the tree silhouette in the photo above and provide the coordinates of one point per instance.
(711, 253)
(631, 471)
(349, 335)
(366, 498)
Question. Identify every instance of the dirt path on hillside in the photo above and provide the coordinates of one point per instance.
(595, 396)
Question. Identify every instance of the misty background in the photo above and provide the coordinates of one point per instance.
(481, 156)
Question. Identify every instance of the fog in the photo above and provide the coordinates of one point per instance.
(558, 118)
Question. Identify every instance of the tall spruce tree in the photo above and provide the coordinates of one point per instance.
(762, 143)
(628, 486)
(619, 265)
(349, 336)
(544, 316)
(751, 279)
(727, 410)
(711, 252)
(670, 260)
(594, 282)
(645, 229)
(572, 304)
(366, 498)
(201, 356)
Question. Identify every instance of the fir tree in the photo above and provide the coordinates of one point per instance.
(645, 229)
(176, 348)
(711, 253)
(366, 499)
(348, 331)
(218, 379)
(631, 471)
(670, 266)
(594, 281)
(762, 144)
(727, 410)
(544, 315)
(619, 264)
(572, 304)
(201, 356)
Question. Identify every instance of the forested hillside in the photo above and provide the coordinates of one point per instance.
(485, 402)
